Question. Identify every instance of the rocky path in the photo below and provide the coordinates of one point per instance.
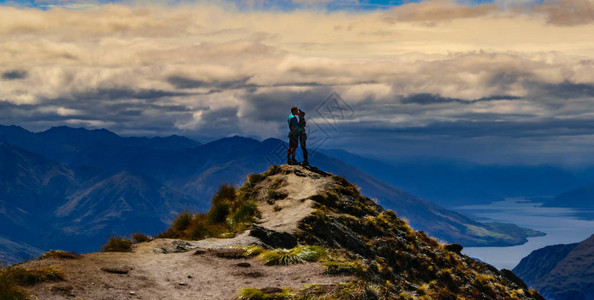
(148, 273)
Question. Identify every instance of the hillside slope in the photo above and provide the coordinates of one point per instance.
(561, 272)
(361, 252)
(580, 198)
(454, 183)
(99, 171)
(46, 204)
(198, 172)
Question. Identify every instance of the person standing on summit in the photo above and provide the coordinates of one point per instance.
(303, 137)
(294, 132)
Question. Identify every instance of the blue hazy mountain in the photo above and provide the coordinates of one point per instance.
(561, 272)
(455, 183)
(198, 172)
(81, 186)
(46, 204)
(581, 198)
(65, 143)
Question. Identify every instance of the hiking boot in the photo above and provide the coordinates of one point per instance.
(305, 163)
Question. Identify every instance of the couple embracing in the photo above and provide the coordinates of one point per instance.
(297, 135)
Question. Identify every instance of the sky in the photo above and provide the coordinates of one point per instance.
(506, 82)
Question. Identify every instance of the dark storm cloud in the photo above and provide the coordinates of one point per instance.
(566, 90)
(181, 82)
(221, 122)
(498, 97)
(124, 93)
(14, 74)
(428, 99)
(272, 106)
(490, 127)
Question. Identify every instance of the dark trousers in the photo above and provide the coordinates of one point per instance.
(302, 140)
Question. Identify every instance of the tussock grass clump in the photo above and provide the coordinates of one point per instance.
(251, 250)
(257, 294)
(253, 179)
(342, 268)
(8, 287)
(141, 238)
(276, 195)
(182, 221)
(295, 255)
(232, 212)
(117, 244)
(60, 254)
(29, 277)
(218, 212)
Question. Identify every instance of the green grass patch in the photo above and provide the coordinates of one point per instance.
(251, 250)
(481, 231)
(295, 255)
(257, 294)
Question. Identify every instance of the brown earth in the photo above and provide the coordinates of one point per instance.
(152, 274)
(168, 268)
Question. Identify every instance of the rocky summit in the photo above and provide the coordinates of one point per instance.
(288, 233)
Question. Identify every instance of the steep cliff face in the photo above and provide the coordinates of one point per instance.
(288, 233)
(561, 272)
(542, 261)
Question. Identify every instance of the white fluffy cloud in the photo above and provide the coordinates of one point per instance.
(212, 69)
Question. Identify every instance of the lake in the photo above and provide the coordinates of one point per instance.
(561, 225)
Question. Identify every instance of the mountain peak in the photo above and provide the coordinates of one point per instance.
(59, 130)
(294, 232)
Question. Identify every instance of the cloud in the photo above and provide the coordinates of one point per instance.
(567, 12)
(214, 70)
(437, 11)
(14, 74)
(429, 99)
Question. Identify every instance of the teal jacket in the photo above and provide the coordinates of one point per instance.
(294, 123)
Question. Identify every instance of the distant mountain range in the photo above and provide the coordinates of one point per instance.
(581, 198)
(71, 188)
(454, 183)
(48, 205)
(561, 272)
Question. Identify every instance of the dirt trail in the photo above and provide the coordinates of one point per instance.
(169, 269)
(155, 275)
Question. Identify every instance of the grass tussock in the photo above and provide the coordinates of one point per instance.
(9, 290)
(274, 195)
(182, 221)
(295, 255)
(257, 294)
(141, 238)
(59, 254)
(251, 250)
(232, 211)
(117, 244)
(343, 268)
(29, 277)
